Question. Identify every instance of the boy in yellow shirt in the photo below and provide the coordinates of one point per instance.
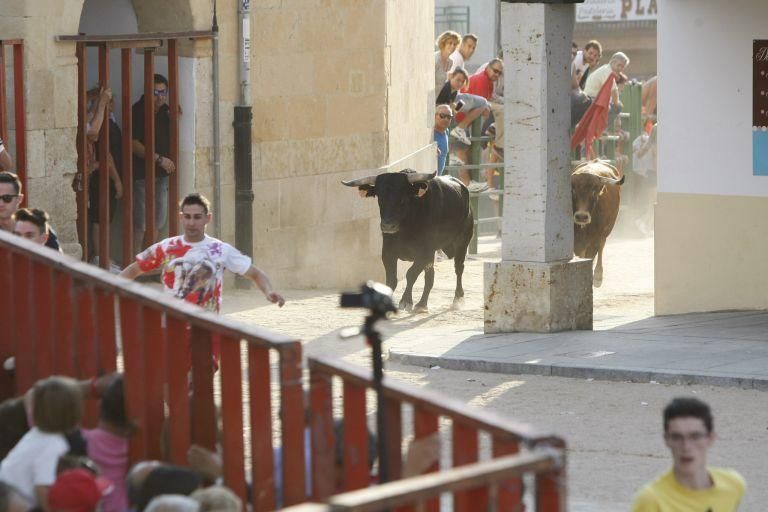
(690, 486)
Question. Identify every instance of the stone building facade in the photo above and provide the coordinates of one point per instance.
(339, 88)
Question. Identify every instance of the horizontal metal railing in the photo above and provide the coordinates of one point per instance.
(507, 437)
(70, 318)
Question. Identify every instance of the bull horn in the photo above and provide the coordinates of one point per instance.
(420, 177)
(611, 181)
(360, 182)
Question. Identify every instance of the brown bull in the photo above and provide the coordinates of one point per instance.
(596, 194)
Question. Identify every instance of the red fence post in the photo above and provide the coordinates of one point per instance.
(233, 447)
(262, 454)
(355, 439)
(154, 379)
(551, 487)
(394, 435)
(465, 448)
(203, 408)
(21, 115)
(43, 313)
(425, 424)
(178, 364)
(173, 103)
(150, 227)
(131, 322)
(293, 424)
(105, 331)
(86, 344)
(3, 99)
(65, 309)
(25, 323)
(510, 495)
(321, 421)
(104, 181)
(127, 163)
(7, 317)
(82, 151)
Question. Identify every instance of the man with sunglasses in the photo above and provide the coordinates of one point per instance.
(164, 166)
(690, 484)
(443, 116)
(10, 199)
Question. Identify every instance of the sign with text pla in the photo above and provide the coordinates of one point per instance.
(617, 10)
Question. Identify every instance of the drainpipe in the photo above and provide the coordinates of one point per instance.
(242, 124)
(216, 130)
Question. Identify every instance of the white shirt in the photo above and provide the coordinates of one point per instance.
(457, 60)
(597, 78)
(578, 63)
(32, 462)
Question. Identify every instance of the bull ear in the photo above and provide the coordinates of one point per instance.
(366, 191)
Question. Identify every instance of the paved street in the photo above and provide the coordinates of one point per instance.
(613, 426)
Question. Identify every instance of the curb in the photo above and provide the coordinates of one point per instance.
(616, 374)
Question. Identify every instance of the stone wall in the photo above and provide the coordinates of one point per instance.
(339, 89)
(335, 96)
(50, 71)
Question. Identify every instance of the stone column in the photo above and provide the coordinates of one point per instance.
(538, 286)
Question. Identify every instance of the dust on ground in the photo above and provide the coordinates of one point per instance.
(613, 429)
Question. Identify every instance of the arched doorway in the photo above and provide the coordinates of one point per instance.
(130, 18)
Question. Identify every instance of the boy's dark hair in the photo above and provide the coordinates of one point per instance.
(37, 217)
(112, 409)
(160, 79)
(461, 71)
(167, 480)
(12, 178)
(685, 407)
(196, 198)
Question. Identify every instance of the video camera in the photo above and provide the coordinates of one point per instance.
(374, 296)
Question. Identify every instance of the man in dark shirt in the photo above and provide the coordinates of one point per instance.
(164, 166)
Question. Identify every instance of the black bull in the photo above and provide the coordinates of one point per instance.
(419, 215)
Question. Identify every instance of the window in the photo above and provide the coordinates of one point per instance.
(452, 18)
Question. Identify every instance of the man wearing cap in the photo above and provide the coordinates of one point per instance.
(77, 490)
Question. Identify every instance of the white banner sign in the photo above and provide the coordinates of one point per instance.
(617, 10)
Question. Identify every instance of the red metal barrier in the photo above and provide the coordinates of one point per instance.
(429, 410)
(19, 108)
(67, 317)
(422, 489)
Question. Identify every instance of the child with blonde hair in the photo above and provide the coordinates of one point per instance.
(31, 465)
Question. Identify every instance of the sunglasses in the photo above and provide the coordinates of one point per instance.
(7, 198)
(161, 92)
(445, 116)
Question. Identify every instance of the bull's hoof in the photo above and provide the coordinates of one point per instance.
(458, 303)
(420, 308)
(405, 305)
